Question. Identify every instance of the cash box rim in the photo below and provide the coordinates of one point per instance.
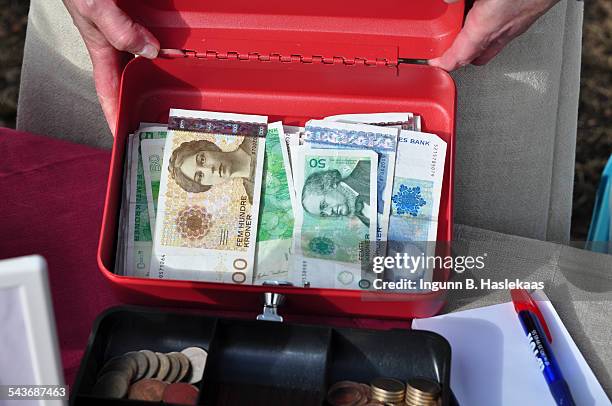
(322, 301)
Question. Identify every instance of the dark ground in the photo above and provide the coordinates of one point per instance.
(594, 113)
(13, 21)
(594, 119)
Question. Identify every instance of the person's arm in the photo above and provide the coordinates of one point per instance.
(108, 32)
(489, 26)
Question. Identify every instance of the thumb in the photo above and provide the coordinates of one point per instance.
(107, 64)
(121, 31)
(464, 50)
(473, 39)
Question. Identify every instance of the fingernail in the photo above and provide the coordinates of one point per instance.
(149, 51)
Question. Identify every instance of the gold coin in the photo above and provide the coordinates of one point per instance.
(386, 396)
(142, 364)
(425, 386)
(164, 366)
(421, 403)
(422, 392)
(387, 385)
(175, 368)
(185, 365)
(419, 395)
(153, 363)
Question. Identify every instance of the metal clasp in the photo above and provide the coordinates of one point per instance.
(272, 301)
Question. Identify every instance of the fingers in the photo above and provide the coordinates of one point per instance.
(468, 46)
(484, 35)
(107, 30)
(119, 29)
(107, 66)
(490, 25)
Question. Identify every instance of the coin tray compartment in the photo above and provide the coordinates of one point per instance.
(120, 330)
(363, 355)
(293, 93)
(263, 363)
(284, 357)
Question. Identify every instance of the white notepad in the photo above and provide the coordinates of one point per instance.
(493, 365)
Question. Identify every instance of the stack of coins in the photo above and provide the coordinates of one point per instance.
(388, 391)
(153, 376)
(422, 392)
(346, 393)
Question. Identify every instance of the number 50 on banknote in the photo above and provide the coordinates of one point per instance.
(336, 197)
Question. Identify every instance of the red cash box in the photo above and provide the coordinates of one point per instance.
(291, 61)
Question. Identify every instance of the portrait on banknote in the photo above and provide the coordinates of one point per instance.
(326, 193)
(209, 190)
(198, 165)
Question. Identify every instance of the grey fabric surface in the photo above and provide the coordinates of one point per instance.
(578, 283)
(516, 131)
(562, 183)
(57, 95)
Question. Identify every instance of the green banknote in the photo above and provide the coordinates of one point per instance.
(275, 213)
(152, 159)
(140, 237)
(140, 240)
(337, 212)
(120, 258)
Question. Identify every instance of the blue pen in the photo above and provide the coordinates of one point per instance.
(539, 336)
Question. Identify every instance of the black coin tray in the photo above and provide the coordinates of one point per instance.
(254, 362)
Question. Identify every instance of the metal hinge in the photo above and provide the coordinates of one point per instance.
(273, 57)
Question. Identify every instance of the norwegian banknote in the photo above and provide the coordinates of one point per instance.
(229, 198)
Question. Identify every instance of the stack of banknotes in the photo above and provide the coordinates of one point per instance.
(222, 197)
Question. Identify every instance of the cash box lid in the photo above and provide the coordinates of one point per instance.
(412, 29)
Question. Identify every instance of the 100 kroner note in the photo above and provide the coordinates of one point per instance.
(208, 207)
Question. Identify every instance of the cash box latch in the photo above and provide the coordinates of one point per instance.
(272, 301)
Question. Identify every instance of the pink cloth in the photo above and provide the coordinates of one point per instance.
(52, 197)
(51, 205)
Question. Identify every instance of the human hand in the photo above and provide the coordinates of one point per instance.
(489, 26)
(108, 32)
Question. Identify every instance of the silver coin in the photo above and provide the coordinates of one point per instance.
(121, 364)
(142, 364)
(185, 365)
(175, 368)
(164, 366)
(113, 384)
(153, 362)
(197, 358)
